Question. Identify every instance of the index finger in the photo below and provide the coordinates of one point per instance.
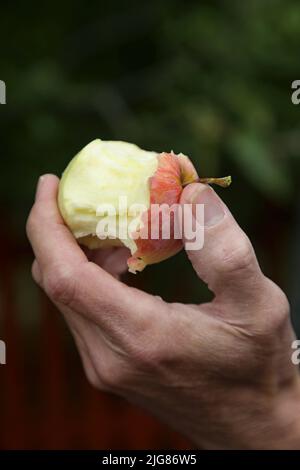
(69, 278)
(52, 242)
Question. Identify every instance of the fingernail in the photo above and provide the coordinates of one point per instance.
(214, 211)
(39, 186)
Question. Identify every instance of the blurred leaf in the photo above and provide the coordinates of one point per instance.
(260, 166)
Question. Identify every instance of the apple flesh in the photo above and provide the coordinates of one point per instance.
(104, 172)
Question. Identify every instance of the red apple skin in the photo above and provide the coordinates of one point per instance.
(173, 172)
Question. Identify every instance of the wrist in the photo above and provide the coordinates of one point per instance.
(271, 421)
(278, 427)
(285, 420)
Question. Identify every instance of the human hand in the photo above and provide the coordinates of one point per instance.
(221, 372)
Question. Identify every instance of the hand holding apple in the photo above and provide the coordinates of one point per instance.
(221, 373)
(107, 172)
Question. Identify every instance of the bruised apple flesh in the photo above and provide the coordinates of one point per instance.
(106, 193)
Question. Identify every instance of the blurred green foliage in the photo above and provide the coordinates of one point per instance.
(211, 79)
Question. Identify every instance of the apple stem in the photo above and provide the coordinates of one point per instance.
(223, 182)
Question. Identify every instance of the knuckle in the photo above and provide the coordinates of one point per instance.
(113, 377)
(274, 319)
(60, 285)
(92, 377)
(35, 219)
(279, 308)
(237, 260)
(29, 226)
(32, 220)
(36, 273)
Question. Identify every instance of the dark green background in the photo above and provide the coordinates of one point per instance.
(209, 78)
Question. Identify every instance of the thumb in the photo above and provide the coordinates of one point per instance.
(226, 262)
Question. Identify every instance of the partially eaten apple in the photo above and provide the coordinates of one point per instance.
(106, 179)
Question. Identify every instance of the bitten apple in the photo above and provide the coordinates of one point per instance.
(106, 172)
